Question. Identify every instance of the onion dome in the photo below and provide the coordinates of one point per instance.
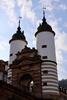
(44, 26)
(19, 35)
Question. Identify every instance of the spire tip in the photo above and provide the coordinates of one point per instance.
(19, 21)
(44, 19)
(44, 11)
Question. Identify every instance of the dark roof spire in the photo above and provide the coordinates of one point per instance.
(19, 28)
(44, 26)
(19, 21)
(44, 19)
(19, 35)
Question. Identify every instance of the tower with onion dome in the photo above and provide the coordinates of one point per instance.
(17, 43)
(46, 49)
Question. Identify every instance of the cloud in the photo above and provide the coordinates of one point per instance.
(61, 47)
(63, 7)
(65, 25)
(53, 5)
(9, 8)
(57, 0)
(4, 49)
(3, 45)
(26, 9)
(49, 4)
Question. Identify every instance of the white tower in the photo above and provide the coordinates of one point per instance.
(17, 43)
(46, 49)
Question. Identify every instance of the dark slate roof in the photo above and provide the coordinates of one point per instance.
(44, 26)
(18, 35)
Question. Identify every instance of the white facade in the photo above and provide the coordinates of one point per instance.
(46, 38)
(15, 46)
(46, 49)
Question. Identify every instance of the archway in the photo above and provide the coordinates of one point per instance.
(27, 82)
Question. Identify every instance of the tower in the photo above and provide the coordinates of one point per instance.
(17, 43)
(46, 49)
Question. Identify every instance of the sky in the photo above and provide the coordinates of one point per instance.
(31, 12)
